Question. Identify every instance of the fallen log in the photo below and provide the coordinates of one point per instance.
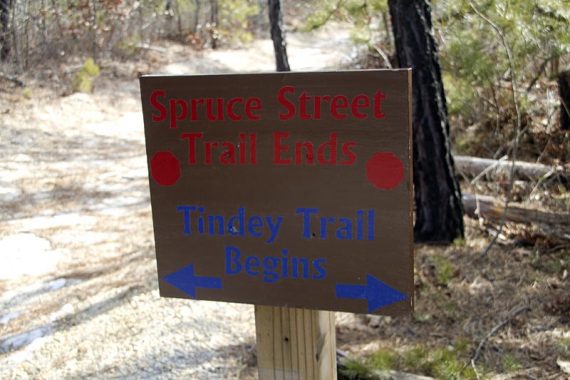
(476, 167)
(483, 206)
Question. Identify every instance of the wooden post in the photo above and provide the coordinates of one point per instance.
(295, 344)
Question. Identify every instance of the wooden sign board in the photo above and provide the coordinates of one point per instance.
(285, 189)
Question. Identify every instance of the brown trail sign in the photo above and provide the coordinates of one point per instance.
(286, 189)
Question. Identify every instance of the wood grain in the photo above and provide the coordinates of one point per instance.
(295, 343)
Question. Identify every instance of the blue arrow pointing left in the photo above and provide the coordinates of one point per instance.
(187, 281)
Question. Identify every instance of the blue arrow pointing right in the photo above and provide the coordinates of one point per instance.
(377, 293)
(187, 281)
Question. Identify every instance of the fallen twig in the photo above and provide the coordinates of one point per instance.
(494, 330)
(383, 55)
(460, 163)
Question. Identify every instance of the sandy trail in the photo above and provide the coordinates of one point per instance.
(78, 293)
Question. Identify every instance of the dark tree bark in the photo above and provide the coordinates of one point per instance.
(439, 212)
(279, 45)
(4, 37)
(564, 89)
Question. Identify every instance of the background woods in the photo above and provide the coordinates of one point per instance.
(471, 37)
(484, 49)
(33, 31)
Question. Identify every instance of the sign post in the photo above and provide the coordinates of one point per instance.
(295, 343)
(290, 191)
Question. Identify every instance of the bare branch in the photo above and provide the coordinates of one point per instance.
(495, 329)
(518, 126)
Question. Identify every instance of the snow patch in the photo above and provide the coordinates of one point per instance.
(56, 284)
(18, 341)
(9, 194)
(61, 220)
(8, 317)
(129, 125)
(26, 254)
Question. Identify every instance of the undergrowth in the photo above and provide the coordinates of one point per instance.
(446, 363)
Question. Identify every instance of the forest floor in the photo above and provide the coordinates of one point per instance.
(78, 287)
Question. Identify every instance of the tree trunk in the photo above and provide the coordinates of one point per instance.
(196, 21)
(179, 19)
(439, 212)
(214, 23)
(564, 88)
(93, 11)
(279, 44)
(4, 35)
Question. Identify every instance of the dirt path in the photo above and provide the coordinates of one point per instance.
(78, 293)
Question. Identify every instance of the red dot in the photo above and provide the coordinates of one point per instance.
(165, 168)
(384, 170)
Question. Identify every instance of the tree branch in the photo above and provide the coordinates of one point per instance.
(518, 126)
